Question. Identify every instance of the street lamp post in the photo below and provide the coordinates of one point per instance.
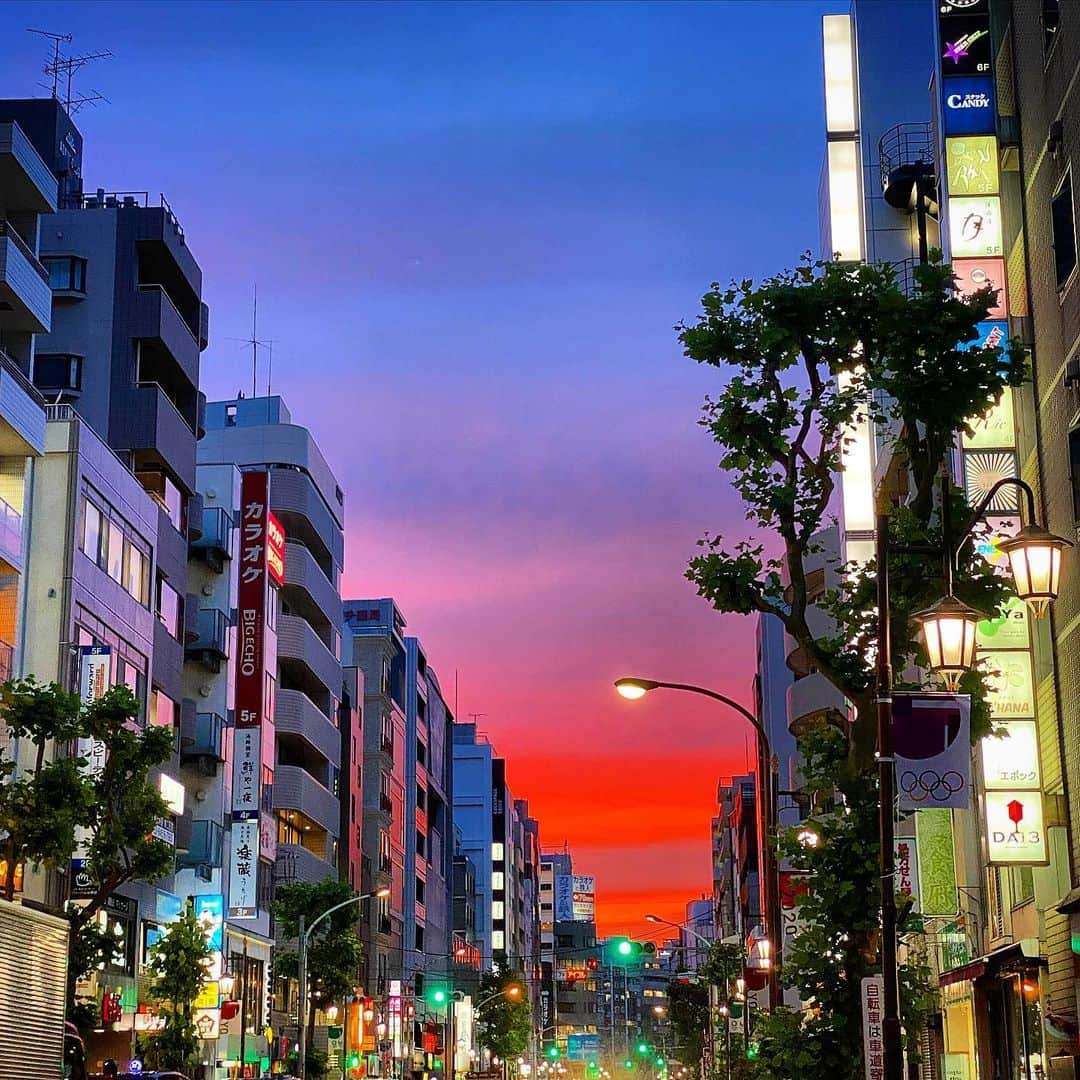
(304, 937)
(634, 688)
(948, 630)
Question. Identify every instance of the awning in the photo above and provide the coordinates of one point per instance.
(1069, 903)
(1024, 952)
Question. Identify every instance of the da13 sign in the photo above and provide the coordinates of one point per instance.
(1015, 830)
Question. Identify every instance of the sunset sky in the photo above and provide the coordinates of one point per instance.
(473, 228)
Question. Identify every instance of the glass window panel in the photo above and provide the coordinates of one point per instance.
(114, 565)
(91, 538)
(169, 605)
(136, 573)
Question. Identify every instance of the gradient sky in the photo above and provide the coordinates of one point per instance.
(473, 227)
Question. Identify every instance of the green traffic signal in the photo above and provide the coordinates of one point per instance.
(354, 1060)
(438, 1064)
(752, 1050)
(642, 1048)
(660, 1061)
(438, 995)
(628, 1063)
(553, 1052)
(593, 1066)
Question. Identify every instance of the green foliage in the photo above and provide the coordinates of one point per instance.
(503, 1024)
(90, 947)
(42, 804)
(334, 950)
(688, 1008)
(178, 963)
(808, 356)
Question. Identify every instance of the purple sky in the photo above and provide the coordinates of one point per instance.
(473, 227)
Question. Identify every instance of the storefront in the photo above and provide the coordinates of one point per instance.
(992, 1016)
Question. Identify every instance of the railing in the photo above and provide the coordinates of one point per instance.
(7, 656)
(204, 738)
(151, 286)
(10, 529)
(109, 200)
(59, 412)
(212, 632)
(216, 525)
(9, 230)
(906, 145)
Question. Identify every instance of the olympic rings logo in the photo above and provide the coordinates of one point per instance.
(930, 786)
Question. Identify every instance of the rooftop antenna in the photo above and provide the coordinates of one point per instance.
(64, 67)
(52, 69)
(254, 342)
(475, 717)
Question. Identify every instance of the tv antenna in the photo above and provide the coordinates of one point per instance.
(254, 342)
(62, 70)
(476, 717)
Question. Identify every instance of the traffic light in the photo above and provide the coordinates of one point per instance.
(753, 1048)
(661, 1062)
(354, 1060)
(593, 1066)
(438, 995)
(628, 1063)
(643, 1048)
(624, 951)
(553, 1052)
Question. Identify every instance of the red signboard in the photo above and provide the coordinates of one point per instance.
(251, 598)
(275, 549)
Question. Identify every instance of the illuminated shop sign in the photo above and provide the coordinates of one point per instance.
(251, 599)
(1015, 830)
(1011, 761)
(963, 7)
(994, 428)
(275, 549)
(968, 106)
(971, 163)
(1007, 630)
(965, 44)
(1010, 689)
(973, 275)
(982, 470)
(992, 334)
(975, 226)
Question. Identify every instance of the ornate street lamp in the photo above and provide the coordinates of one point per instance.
(948, 633)
(1035, 560)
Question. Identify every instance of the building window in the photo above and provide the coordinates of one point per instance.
(419, 939)
(288, 832)
(163, 710)
(421, 753)
(498, 939)
(421, 844)
(58, 371)
(1064, 223)
(67, 273)
(91, 535)
(498, 880)
(420, 887)
(421, 797)
(497, 853)
(498, 910)
(170, 606)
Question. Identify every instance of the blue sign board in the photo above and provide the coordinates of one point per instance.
(210, 911)
(968, 105)
(584, 1046)
(992, 334)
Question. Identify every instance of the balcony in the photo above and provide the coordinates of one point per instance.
(298, 642)
(157, 319)
(812, 701)
(205, 847)
(296, 789)
(202, 740)
(296, 714)
(24, 285)
(213, 544)
(11, 536)
(303, 572)
(296, 500)
(22, 412)
(296, 863)
(211, 645)
(149, 424)
(27, 182)
(7, 656)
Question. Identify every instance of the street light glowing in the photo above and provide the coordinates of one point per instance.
(654, 918)
(382, 893)
(948, 633)
(634, 689)
(808, 837)
(513, 991)
(1035, 560)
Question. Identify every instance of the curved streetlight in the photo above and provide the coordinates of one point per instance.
(948, 633)
(633, 688)
(304, 937)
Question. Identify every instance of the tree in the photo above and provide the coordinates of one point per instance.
(504, 1023)
(334, 952)
(45, 804)
(808, 355)
(688, 1005)
(179, 964)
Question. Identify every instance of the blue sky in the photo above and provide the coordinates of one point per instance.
(473, 227)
